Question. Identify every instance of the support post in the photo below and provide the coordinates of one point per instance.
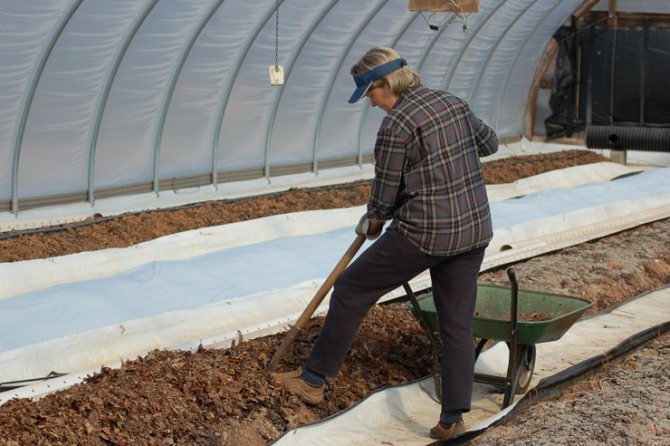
(611, 15)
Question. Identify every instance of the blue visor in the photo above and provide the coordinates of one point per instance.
(364, 80)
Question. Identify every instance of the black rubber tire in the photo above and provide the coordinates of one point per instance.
(526, 361)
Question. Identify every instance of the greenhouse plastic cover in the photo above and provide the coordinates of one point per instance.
(100, 97)
(258, 276)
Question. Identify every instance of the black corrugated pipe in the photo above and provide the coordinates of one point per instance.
(628, 138)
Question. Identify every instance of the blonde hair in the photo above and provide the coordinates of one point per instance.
(399, 81)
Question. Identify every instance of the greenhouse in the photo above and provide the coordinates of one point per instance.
(182, 183)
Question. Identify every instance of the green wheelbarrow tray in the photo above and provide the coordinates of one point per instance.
(555, 314)
(518, 317)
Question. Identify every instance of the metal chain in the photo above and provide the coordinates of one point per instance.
(277, 35)
(460, 17)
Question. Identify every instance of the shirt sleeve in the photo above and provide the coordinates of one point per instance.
(390, 156)
(485, 137)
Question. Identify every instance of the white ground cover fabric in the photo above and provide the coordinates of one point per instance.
(252, 285)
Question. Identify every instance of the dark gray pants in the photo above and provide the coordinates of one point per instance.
(385, 266)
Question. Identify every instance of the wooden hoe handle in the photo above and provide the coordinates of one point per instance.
(316, 301)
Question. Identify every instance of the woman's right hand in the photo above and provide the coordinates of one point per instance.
(369, 227)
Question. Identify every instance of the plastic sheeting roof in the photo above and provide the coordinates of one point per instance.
(98, 95)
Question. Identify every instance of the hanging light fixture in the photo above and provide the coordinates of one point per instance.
(276, 71)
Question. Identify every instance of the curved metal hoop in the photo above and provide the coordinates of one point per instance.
(501, 96)
(481, 25)
(29, 95)
(169, 91)
(241, 56)
(104, 94)
(480, 74)
(333, 78)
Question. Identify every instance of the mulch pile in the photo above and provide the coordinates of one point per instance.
(212, 397)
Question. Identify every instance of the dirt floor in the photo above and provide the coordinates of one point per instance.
(223, 397)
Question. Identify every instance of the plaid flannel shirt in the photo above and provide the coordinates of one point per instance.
(428, 176)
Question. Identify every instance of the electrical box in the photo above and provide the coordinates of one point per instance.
(276, 73)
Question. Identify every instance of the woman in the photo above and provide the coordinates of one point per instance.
(429, 183)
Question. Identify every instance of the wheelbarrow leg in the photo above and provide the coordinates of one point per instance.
(519, 372)
(511, 377)
(437, 370)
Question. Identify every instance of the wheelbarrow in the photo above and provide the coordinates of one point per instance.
(522, 319)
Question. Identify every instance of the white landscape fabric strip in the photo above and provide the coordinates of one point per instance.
(70, 327)
(241, 273)
(560, 179)
(31, 275)
(403, 415)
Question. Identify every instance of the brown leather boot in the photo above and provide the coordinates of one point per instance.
(292, 382)
(440, 432)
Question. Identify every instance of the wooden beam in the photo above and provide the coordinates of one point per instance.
(612, 15)
(455, 6)
(586, 7)
(531, 106)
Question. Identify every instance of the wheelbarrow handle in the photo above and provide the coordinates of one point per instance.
(512, 365)
(515, 299)
(316, 301)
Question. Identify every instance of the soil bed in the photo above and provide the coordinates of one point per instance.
(212, 397)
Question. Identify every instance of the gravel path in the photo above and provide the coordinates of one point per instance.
(626, 403)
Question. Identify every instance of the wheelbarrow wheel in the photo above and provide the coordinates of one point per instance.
(526, 365)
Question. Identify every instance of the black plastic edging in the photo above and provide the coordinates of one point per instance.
(11, 385)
